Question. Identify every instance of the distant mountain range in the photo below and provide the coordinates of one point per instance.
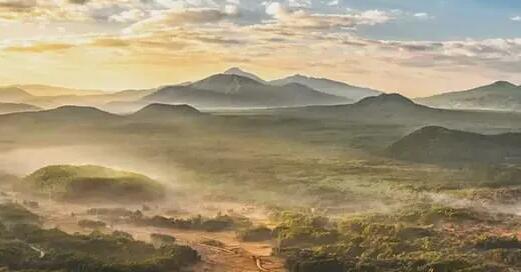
(441, 145)
(396, 109)
(328, 86)
(239, 72)
(381, 108)
(89, 115)
(500, 95)
(13, 95)
(16, 107)
(46, 90)
(50, 97)
(236, 88)
(231, 90)
(323, 85)
(166, 112)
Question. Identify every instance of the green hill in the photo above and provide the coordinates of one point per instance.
(89, 182)
(434, 144)
(500, 95)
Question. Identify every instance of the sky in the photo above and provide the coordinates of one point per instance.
(414, 47)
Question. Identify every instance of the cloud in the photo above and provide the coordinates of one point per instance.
(79, 2)
(299, 3)
(423, 16)
(304, 19)
(516, 18)
(128, 16)
(39, 47)
(186, 16)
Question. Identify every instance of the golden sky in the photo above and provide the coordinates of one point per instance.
(128, 44)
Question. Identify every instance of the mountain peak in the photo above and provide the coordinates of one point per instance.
(226, 83)
(234, 70)
(239, 72)
(164, 110)
(393, 98)
(503, 84)
(328, 86)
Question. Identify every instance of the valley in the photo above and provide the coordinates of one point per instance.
(379, 184)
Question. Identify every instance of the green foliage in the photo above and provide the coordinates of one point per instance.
(28, 247)
(255, 234)
(160, 240)
(116, 252)
(217, 223)
(81, 183)
(434, 214)
(297, 229)
(411, 240)
(495, 242)
(91, 224)
(11, 213)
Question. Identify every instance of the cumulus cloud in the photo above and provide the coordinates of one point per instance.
(128, 16)
(186, 16)
(302, 18)
(423, 16)
(276, 35)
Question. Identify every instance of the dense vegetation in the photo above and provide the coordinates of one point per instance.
(253, 234)
(210, 224)
(26, 247)
(83, 183)
(424, 238)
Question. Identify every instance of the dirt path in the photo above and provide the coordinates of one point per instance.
(232, 256)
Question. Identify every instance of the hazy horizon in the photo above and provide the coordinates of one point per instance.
(108, 90)
(416, 49)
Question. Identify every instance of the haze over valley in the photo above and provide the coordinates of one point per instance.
(247, 136)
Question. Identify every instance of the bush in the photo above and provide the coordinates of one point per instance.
(218, 223)
(255, 234)
(11, 213)
(494, 242)
(91, 224)
(160, 240)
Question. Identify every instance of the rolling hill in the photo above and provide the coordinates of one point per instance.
(60, 116)
(90, 182)
(441, 145)
(46, 90)
(13, 95)
(225, 90)
(384, 107)
(500, 95)
(328, 86)
(398, 110)
(157, 111)
(16, 107)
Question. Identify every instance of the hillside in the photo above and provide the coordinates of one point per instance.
(46, 90)
(61, 115)
(97, 100)
(384, 107)
(223, 90)
(237, 71)
(399, 110)
(165, 111)
(16, 107)
(89, 182)
(440, 145)
(328, 86)
(13, 95)
(500, 95)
